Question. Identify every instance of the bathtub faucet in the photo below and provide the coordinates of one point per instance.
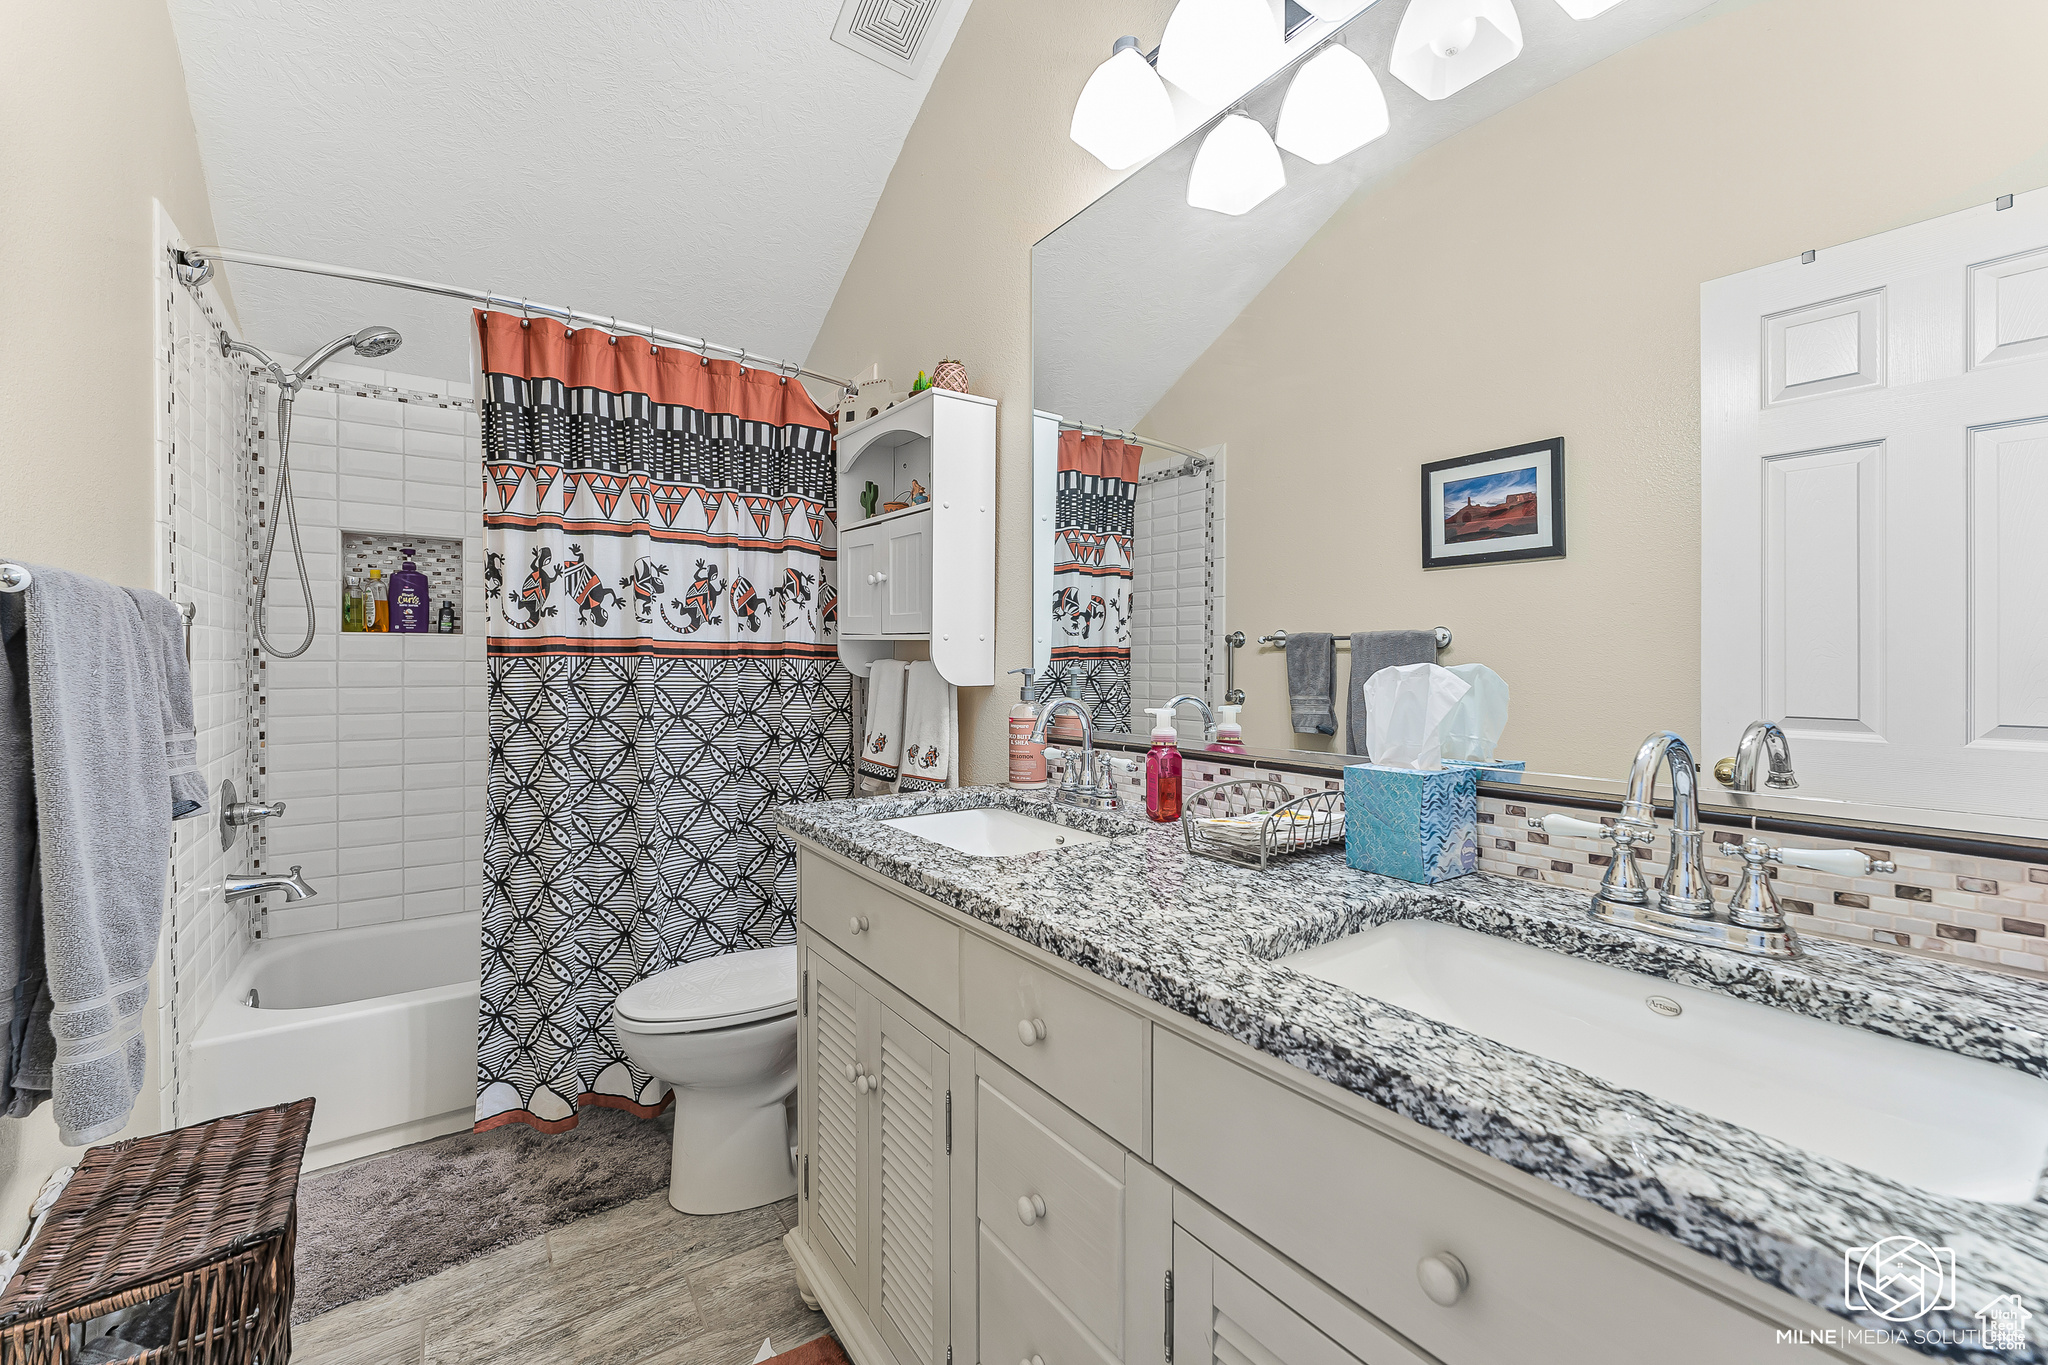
(294, 886)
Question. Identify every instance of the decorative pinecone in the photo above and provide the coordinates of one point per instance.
(950, 374)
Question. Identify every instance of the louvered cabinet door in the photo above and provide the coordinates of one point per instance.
(1222, 1317)
(908, 1274)
(840, 1136)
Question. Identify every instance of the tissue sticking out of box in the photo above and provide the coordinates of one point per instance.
(1472, 730)
(1405, 710)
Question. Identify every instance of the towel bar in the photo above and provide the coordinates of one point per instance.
(1278, 639)
(14, 578)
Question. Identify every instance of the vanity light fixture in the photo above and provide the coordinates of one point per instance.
(1333, 106)
(1238, 167)
(1443, 46)
(1124, 114)
(1586, 9)
(1218, 49)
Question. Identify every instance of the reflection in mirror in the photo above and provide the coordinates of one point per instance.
(1685, 398)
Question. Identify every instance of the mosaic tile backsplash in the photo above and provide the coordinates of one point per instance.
(438, 558)
(1979, 909)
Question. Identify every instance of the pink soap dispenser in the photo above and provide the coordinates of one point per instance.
(1162, 767)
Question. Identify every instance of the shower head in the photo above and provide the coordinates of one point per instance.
(370, 342)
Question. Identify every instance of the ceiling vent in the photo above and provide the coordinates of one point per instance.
(896, 33)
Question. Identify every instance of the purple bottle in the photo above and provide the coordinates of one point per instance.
(409, 598)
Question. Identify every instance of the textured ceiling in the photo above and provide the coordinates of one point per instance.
(1134, 288)
(706, 166)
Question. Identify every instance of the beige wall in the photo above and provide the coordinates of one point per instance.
(1539, 275)
(93, 125)
(945, 266)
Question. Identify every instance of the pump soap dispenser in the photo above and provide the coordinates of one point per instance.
(1229, 734)
(1162, 767)
(410, 599)
(1027, 760)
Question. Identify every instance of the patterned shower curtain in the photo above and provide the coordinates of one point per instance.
(1091, 596)
(658, 566)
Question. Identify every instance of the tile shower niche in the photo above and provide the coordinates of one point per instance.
(438, 557)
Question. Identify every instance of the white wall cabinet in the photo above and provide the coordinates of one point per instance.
(927, 571)
(1130, 1188)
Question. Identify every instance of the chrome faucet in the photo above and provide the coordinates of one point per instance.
(248, 884)
(1684, 908)
(1764, 740)
(1208, 716)
(1084, 786)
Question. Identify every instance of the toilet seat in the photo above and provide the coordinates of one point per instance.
(714, 993)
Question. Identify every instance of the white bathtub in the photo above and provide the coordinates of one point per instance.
(379, 1023)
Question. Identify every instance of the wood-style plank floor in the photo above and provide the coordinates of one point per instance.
(640, 1283)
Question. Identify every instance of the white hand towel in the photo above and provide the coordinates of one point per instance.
(881, 750)
(931, 731)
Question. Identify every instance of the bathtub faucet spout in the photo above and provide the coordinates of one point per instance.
(295, 887)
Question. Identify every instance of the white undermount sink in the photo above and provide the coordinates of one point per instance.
(992, 832)
(1936, 1120)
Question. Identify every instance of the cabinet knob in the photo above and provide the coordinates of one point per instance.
(1032, 1360)
(881, 578)
(1030, 1208)
(1443, 1278)
(1030, 1031)
(859, 924)
(853, 1071)
(866, 1084)
(871, 580)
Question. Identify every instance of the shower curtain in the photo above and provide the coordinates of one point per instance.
(1091, 595)
(658, 571)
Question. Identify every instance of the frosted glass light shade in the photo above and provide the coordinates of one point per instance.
(1443, 46)
(1333, 106)
(1582, 9)
(1237, 169)
(1218, 49)
(1124, 114)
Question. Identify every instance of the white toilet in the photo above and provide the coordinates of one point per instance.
(722, 1033)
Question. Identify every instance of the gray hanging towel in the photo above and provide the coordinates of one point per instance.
(1312, 681)
(97, 710)
(1371, 651)
(21, 949)
(163, 619)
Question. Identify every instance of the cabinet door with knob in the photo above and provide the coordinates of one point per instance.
(905, 584)
(1267, 1313)
(860, 598)
(835, 1092)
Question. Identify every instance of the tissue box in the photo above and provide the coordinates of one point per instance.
(1500, 770)
(1418, 826)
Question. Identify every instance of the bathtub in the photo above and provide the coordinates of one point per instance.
(378, 1022)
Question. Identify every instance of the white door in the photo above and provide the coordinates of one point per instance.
(906, 579)
(839, 1151)
(910, 1265)
(1874, 512)
(860, 599)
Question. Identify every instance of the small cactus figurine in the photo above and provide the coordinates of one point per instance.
(921, 384)
(949, 374)
(868, 497)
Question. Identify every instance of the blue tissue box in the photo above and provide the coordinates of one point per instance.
(1418, 826)
(1500, 770)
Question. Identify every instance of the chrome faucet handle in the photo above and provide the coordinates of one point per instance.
(1754, 903)
(1623, 884)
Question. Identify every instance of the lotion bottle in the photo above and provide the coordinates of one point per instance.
(1027, 760)
(1162, 768)
(411, 599)
(1229, 734)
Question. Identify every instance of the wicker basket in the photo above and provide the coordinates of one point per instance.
(206, 1213)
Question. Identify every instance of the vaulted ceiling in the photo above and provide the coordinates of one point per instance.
(706, 166)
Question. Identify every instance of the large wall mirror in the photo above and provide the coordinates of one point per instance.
(1689, 368)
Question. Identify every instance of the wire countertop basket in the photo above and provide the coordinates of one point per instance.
(1251, 821)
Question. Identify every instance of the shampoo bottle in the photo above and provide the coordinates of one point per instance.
(377, 615)
(1162, 768)
(352, 604)
(1027, 760)
(411, 599)
(1229, 734)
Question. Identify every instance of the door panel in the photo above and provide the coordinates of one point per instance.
(1220, 1317)
(906, 593)
(907, 1282)
(860, 603)
(2008, 567)
(839, 1146)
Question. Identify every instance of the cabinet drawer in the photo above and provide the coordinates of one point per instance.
(1092, 1057)
(1360, 1211)
(1020, 1320)
(1076, 1247)
(904, 944)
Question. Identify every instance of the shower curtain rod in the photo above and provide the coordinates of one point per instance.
(198, 258)
(1145, 441)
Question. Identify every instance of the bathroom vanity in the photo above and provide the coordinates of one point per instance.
(1068, 1104)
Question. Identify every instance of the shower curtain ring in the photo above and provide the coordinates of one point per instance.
(743, 360)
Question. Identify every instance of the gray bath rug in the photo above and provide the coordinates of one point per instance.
(392, 1219)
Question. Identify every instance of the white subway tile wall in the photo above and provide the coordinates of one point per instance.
(205, 431)
(1176, 602)
(379, 742)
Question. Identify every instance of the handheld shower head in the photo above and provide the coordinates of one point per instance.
(370, 342)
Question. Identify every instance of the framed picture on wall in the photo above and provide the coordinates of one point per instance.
(1494, 507)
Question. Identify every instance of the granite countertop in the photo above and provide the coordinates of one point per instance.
(1199, 937)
